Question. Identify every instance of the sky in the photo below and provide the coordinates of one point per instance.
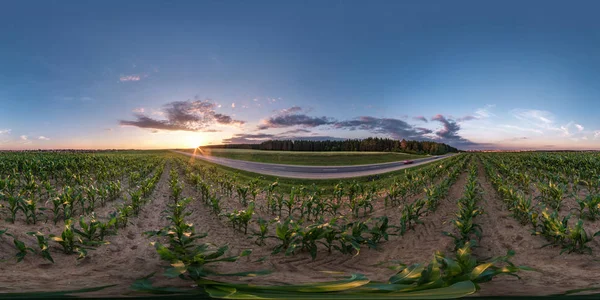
(171, 74)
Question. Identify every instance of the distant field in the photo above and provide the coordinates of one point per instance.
(310, 158)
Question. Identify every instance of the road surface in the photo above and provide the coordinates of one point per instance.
(313, 172)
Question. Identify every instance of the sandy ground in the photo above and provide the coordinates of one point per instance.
(556, 273)
(130, 255)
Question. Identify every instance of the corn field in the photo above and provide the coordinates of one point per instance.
(434, 229)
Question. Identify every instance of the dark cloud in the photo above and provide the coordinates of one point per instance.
(420, 118)
(184, 115)
(466, 118)
(424, 130)
(291, 110)
(259, 138)
(143, 121)
(396, 128)
(299, 130)
(288, 120)
(293, 116)
(449, 132)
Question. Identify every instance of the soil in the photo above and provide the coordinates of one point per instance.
(555, 273)
(130, 256)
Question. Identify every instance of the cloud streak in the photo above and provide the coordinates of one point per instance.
(188, 115)
(293, 117)
(126, 78)
(420, 118)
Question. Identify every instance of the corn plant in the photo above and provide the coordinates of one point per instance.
(411, 214)
(175, 185)
(122, 215)
(187, 258)
(136, 200)
(21, 247)
(380, 230)
(242, 192)
(15, 204)
(263, 231)
(269, 197)
(522, 209)
(286, 232)
(578, 239)
(43, 245)
(89, 231)
(552, 227)
(91, 194)
(70, 242)
(290, 202)
(108, 227)
(552, 193)
(589, 206)
(444, 277)
(241, 218)
(215, 204)
(464, 223)
(31, 210)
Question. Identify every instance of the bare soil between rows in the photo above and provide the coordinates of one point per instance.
(130, 255)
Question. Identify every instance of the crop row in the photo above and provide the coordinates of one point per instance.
(545, 221)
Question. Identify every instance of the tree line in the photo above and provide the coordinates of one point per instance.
(368, 144)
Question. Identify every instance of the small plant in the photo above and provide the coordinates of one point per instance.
(43, 245)
(21, 247)
(263, 230)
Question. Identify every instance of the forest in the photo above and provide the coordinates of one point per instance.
(368, 144)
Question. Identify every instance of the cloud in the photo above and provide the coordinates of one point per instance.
(483, 113)
(248, 138)
(539, 118)
(449, 132)
(43, 138)
(522, 129)
(466, 118)
(396, 128)
(299, 130)
(261, 137)
(188, 115)
(420, 118)
(292, 117)
(126, 78)
(422, 130)
(5, 131)
(139, 110)
(232, 105)
(392, 127)
(23, 137)
(294, 120)
(291, 110)
(544, 121)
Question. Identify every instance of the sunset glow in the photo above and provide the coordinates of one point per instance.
(481, 76)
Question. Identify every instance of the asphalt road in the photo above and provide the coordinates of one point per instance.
(313, 172)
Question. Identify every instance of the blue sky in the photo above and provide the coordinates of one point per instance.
(156, 74)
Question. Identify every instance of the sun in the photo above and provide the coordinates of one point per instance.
(194, 141)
